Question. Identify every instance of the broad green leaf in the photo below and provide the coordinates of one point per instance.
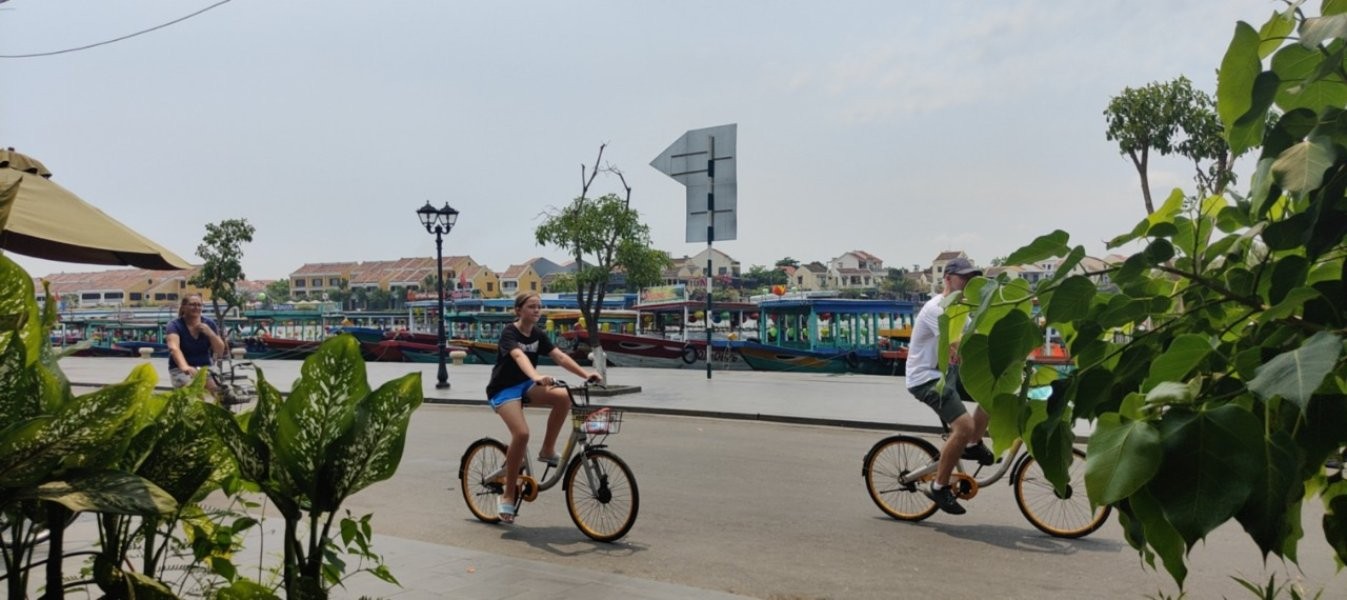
(1319, 30)
(1289, 305)
(1172, 208)
(1007, 411)
(1322, 433)
(1159, 251)
(320, 408)
(245, 589)
(251, 456)
(1089, 393)
(75, 437)
(1287, 273)
(1300, 168)
(1122, 310)
(1050, 442)
(1234, 87)
(1207, 472)
(1045, 246)
(112, 492)
(1071, 300)
(1273, 33)
(1121, 457)
(1335, 526)
(23, 382)
(1139, 230)
(1294, 375)
(1012, 339)
(1160, 533)
(18, 311)
(1277, 487)
(181, 460)
(372, 448)
(1261, 187)
(1044, 376)
(975, 368)
(1184, 354)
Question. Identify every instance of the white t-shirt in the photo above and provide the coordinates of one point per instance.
(923, 358)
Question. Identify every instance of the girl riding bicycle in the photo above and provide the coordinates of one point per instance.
(515, 381)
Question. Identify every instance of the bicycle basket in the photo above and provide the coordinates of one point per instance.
(601, 420)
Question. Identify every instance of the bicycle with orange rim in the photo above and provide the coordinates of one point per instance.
(601, 493)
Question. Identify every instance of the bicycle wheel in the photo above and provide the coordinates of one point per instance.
(603, 506)
(1065, 515)
(886, 464)
(484, 458)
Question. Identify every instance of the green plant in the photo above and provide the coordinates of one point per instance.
(1274, 590)
(59, 452)
(330, 438)
(1215, 373)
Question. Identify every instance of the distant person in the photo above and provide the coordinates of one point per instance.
(515, 381)
(193, 342)
(923, 377)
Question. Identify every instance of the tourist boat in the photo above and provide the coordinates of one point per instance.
(115, 337)
(477, 334)
(266, 346)
(831, 335)
(666, 335)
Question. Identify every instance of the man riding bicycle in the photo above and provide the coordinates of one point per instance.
(923, 379)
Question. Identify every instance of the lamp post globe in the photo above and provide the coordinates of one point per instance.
(438, 222)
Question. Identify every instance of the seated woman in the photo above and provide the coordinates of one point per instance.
(193, 342)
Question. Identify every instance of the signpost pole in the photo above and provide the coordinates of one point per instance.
(682, 161)
(710, 238)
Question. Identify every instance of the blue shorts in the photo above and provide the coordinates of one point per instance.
(518, 391)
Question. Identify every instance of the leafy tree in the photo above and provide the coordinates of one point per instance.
(278, 291)
(341, 295)
(759, 277)
(1216, 374)
(222, 249)
(429, 282)
(787, 262)
(378, 299)
(562, 283)
(1170, 118)
(899, 285)
(602, 234)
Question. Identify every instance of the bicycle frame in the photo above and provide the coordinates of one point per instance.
(578, 439)
(1014, 458)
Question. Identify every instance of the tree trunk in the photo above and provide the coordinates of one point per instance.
(1140, 163)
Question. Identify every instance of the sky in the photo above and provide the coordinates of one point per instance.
(901, 129)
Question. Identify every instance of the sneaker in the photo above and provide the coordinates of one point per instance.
(979, 452)
(944, 498)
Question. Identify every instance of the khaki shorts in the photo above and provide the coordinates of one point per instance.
(949, 404)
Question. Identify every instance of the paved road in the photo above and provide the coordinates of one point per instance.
(780, 511)
(751, 506)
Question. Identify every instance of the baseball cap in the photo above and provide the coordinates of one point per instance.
(962, 266)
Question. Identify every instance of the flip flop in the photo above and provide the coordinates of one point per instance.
(506, 512)
(550, 461)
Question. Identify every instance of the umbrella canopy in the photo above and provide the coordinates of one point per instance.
(48, 221)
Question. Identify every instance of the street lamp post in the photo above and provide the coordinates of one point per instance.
(439, 221)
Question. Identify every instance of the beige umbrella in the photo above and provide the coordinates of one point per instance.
(48, 221)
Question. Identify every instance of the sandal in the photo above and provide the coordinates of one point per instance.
(506, 512)
(551, 461)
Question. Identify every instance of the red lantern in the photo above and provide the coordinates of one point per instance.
(825, 316)
(779, 290)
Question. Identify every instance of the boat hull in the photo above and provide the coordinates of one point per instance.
(624, 350)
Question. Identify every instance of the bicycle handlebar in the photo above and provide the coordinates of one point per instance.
(588, 384)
